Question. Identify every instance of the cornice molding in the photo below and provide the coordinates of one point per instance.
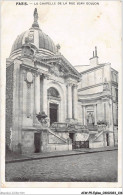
(101, 96)
(94, 68)
(29, 67)
(91, 86)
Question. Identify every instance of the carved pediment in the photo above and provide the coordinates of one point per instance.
(59, 66)
(57, 70)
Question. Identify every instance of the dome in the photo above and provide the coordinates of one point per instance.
(35, 36)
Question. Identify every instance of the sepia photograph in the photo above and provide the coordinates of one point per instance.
(62, 68)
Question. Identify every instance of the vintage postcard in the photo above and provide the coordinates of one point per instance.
(61, 94)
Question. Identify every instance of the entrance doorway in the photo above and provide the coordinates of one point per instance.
(107, 139)
(53, 113)
(37, 142)
(71, 136)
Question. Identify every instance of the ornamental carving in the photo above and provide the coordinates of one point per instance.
(53, 92)
(29, 78)
(56, 70)
(27, 51)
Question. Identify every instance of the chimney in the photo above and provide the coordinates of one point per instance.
(94, 59)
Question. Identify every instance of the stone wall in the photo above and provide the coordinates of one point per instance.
(100, 111)
(9, 102)
(115, 113)
(27, 145)
(116, 135)
(96, 145)
(55, 144)
(44, 140)
(92, 77)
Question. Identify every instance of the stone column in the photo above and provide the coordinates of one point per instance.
(111, 126)
(105, 117)
(75, 101)
(85, 122)
(20, 111)
(83, 112)
(95, 113)
(45, 95)
(102, 111)
(69, 102)
(37, 93)
(16, 107)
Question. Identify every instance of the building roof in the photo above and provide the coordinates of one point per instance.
(35, 36)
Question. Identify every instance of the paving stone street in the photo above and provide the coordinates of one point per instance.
(93, 167)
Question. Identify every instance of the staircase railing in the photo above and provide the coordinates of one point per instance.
(59, 137)
(97, 135)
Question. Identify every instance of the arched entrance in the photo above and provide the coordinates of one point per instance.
(54, 101)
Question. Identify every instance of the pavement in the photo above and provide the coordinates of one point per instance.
(37, 156)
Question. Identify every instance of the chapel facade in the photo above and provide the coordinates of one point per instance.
(40, 79)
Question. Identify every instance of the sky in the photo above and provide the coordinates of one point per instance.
(77, 28)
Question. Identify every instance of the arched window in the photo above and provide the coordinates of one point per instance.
(53, 92)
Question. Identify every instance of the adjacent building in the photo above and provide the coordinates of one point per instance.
(98, 100)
